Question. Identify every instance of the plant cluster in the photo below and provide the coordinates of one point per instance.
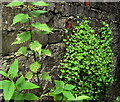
(11, 88)
(64, 93)
(87, 62)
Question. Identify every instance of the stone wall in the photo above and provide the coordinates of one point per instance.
(57, 13)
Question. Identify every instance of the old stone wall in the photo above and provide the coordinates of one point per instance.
(57, 13)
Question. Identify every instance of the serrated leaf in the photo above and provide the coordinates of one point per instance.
(4, 74)
(22, 51)
(30, 96)
(58, 90)
(36, 46)
(42, 27)
(29, 75)
(36, 13)
(46, 76)
(22, 37)
(18, 97)
(22, 18)
(82, 97)
(22, 84)
(34, 66)
(13, 69)
(41, 32)
(15, 3)
(69, 95)
(8, 90)
(40, 3)
(59, 83)
(46, 52)
(69, 87)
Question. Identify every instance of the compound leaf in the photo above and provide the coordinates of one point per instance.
(40, 3)
(34, 66)
(42, 27)
(13, 69)
(22, 37)
(15, 3)
(22, 51)
(36, 13)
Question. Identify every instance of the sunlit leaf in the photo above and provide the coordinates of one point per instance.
(15, 3)
(40, 3)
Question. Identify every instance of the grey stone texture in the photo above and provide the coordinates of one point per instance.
(57, 13)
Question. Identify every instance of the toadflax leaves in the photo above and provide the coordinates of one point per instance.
(42, 27)
(40, 3)
(15, 3)
(22, 37)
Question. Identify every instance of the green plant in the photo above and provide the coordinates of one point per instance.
(12, 90)
(117, 99)
(87, 62)
(64, 93)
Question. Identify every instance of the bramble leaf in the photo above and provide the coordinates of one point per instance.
(34, 66)
(46, 52)
(36, 46)
(29, 75)
(22, 51)
(22, 37)
(30, 96)
(58, 90)
(40, 3)
(22, 18)
(42, 27)
(15, 3)
(13, 69)
(8, 90)
(36, 13)
(46, 76)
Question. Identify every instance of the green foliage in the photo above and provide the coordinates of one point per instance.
(22, 37)
(11, 89)
(9, 86)
(65, 93)
(87, 62)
